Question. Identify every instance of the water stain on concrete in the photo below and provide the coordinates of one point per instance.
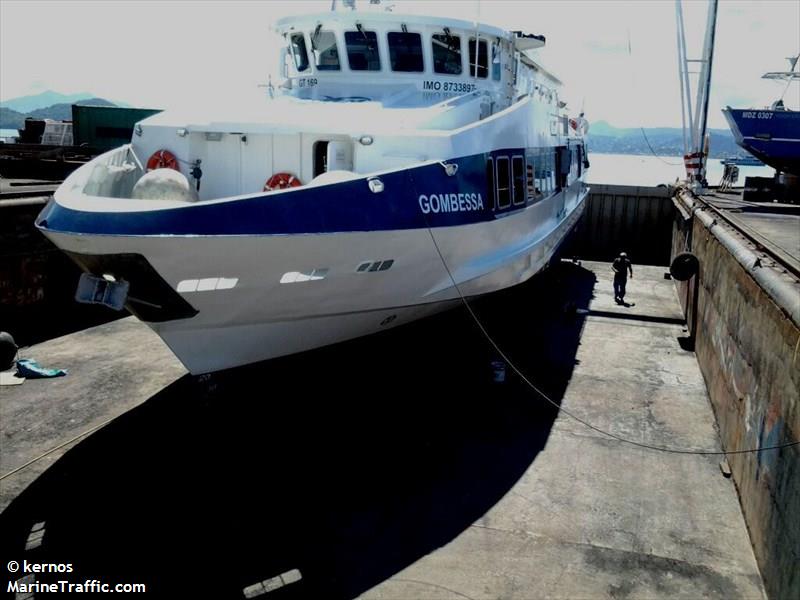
(643, 574)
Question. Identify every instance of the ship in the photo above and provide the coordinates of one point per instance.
(400, 164)
(771, 134)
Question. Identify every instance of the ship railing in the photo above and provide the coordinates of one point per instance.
(113, 174)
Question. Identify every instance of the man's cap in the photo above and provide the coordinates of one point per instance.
(622, 254)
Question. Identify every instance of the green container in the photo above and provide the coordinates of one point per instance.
(105, 127)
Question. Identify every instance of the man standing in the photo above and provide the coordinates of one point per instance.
(621, 267)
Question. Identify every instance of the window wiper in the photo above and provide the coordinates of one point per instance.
(360, 28)
(314, 37)
(450, 39)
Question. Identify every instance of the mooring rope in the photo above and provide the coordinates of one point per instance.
(560, 408)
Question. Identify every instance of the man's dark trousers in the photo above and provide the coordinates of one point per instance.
(619, 285)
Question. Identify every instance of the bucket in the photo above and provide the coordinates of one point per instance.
(498, 371)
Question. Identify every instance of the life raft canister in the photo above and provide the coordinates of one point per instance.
(281, 181)
(162, 159)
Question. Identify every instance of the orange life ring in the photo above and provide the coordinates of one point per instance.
(162, 159)
(281, 181)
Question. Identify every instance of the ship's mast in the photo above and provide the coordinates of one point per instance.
(790, 76)
(696, 154)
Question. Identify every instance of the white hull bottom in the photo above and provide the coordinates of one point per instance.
(259, 297)
(207, 350)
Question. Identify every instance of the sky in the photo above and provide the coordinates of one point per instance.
(617, 59)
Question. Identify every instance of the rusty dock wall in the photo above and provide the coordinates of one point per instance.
(745, 319)
(37, 281)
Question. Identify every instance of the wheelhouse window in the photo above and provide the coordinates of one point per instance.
(479, 67)
(362, 50)
(518, 173)
(446, 53)
(299, 52)
(325, 51)
(496, 74)
(503, 182)
(405, 52)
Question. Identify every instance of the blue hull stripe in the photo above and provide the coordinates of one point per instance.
(773, 123)
(341, 207)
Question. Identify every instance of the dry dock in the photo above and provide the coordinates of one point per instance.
(390, 466)
(37, 281)
(743, 306)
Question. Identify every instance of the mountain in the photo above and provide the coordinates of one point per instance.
(63, 111)
(663, 141)
(603, 128)
(26, 104)
(12, 119)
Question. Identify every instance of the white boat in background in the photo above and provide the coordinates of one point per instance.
(242, 238)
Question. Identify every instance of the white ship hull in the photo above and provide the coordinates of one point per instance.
(261, 318)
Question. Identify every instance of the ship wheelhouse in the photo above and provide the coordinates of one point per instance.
(403, 60)
(360, 92)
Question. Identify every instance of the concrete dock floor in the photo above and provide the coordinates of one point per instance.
(390, 466)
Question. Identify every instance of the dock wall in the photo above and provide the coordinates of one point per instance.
(37, 281)
(747, 339)
(634, 219)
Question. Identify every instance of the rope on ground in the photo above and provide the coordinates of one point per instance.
(48, 452)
